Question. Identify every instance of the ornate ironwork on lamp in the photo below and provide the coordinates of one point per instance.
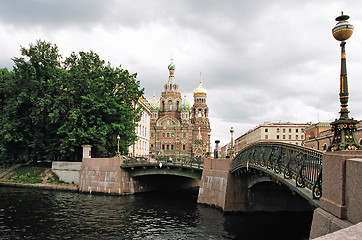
(343, 128)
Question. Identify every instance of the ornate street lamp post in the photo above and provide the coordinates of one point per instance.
(232, 143)
(118, 154)
(343, 128)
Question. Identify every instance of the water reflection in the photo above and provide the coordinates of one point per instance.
(37, 214)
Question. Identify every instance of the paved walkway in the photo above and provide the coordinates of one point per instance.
(4, 172)
(43, 186)
(351, 233)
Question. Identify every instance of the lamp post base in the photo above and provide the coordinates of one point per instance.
(344, 137)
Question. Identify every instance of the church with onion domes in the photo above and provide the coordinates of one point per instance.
(177, 129)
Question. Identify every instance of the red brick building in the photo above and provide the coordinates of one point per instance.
(319, 136)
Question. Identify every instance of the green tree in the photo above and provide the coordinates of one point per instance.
(100, 100)
(25, 124)
(49, 108)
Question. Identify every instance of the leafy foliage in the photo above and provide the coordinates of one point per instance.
(27, 175)
(49, 107)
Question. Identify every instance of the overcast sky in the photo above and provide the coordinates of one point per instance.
(261, 61)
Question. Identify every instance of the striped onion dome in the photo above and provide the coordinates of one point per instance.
(185, 105)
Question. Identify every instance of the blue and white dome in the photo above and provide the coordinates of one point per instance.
(185, 105)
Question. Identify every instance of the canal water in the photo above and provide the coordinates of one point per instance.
(40, 214)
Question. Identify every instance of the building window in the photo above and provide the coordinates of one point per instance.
(177, 105)
(302, 136)
(290, 130)
(151, 134)
(296, 137)
(283, 130)
(277, 130)
(163, 134)
(163, 146)
(266, 130)
(277, 136)
(200, 113)
(168, 147)
(290, 136)
(151, 145)
(184, 147)
(296, 130)
(184, 135)
(283, 136)
(168, 135)
(266, 136)
(171, 146)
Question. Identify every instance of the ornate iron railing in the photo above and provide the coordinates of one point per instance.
(302, 164)
(184, 162)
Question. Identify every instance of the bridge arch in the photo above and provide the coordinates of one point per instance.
(138, 167)
(296, 167)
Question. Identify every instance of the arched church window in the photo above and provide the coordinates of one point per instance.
(177, 105)
(163, 105)
(205, 112)
(325, 147)
(170, 105)
(200, 113)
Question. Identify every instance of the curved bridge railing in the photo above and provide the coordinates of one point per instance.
(301, 164)
(194, 163)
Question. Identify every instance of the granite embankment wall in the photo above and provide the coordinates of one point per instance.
(67, 171)
(340, 205)
(104, 175)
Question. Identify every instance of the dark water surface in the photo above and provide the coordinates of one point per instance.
(41, 214)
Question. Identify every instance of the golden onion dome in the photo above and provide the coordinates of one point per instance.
(200, 91)
(155, 105)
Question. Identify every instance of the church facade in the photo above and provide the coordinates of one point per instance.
(177, 129)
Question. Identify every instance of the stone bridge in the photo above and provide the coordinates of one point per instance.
(272, 176)
(123, 175)
(265, 176)
(299, 168)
